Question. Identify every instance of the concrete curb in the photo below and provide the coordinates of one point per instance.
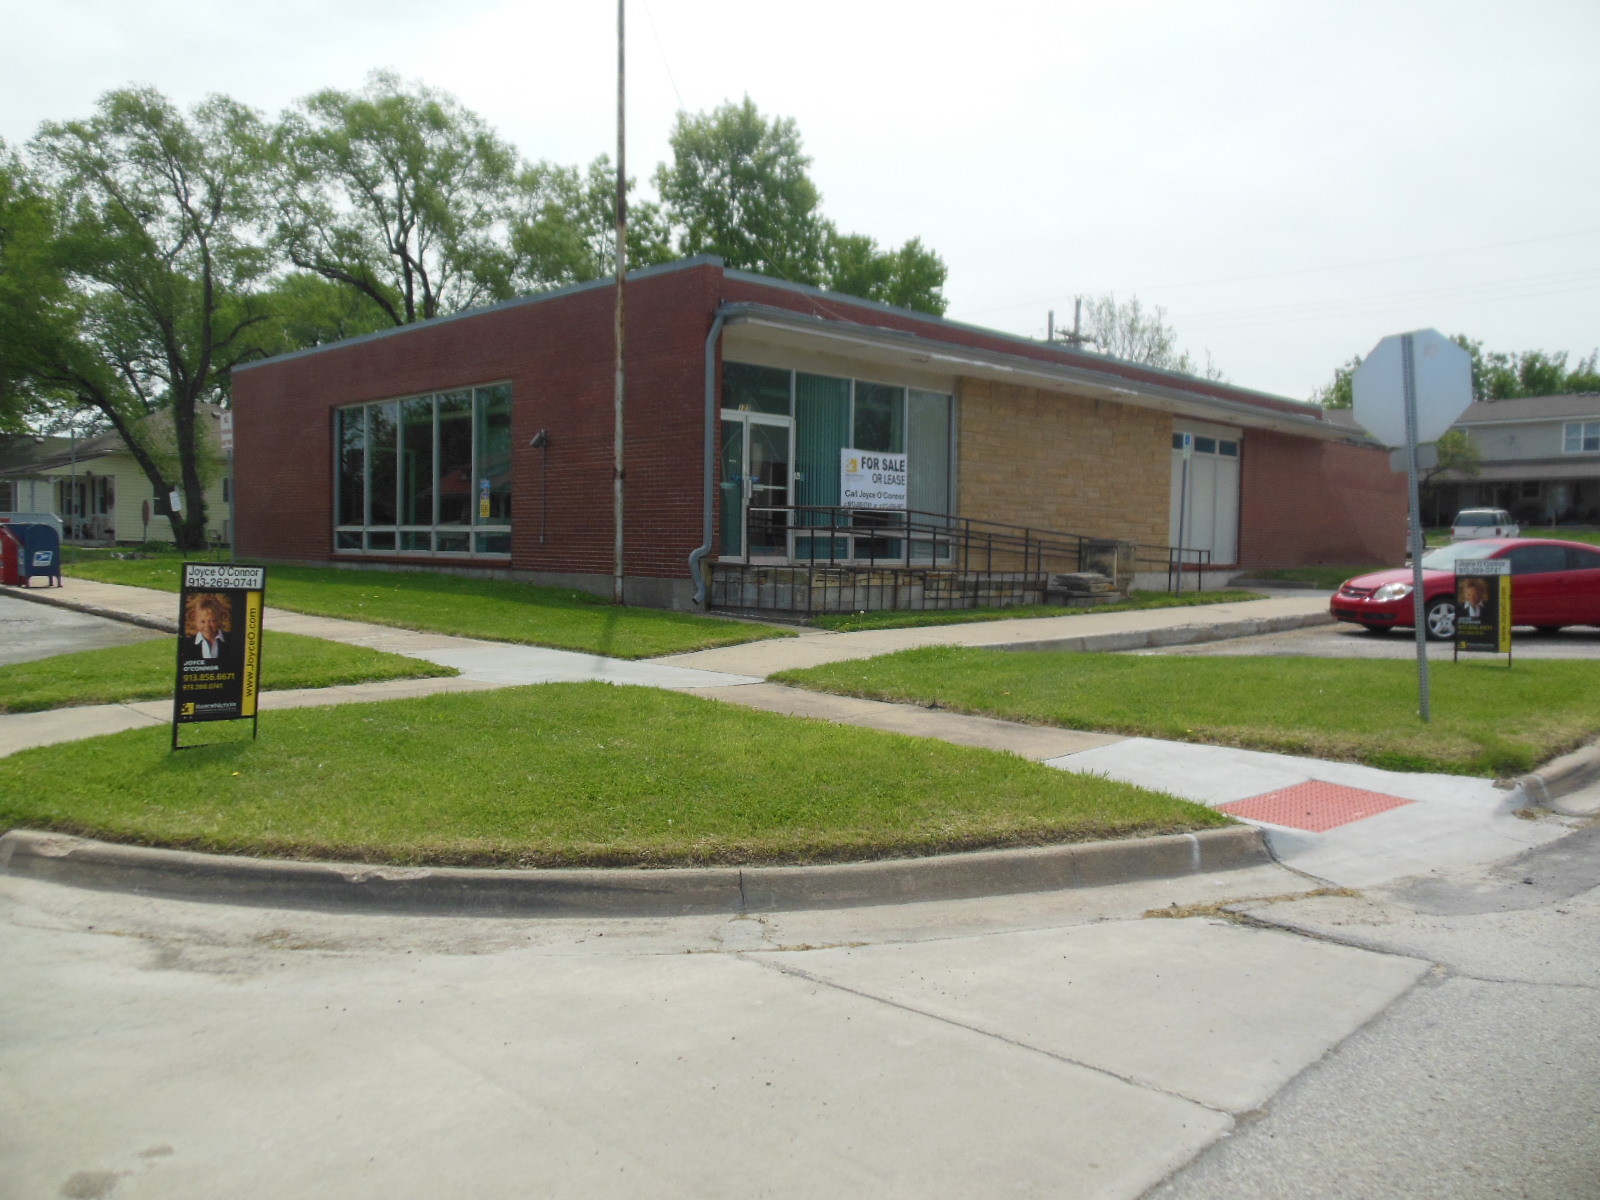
(1297, 585)
(38, 596)
(1175, 635)
(1561, 777)
(438, 891)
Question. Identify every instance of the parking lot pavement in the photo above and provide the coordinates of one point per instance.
(1344, 640)
(29, 632)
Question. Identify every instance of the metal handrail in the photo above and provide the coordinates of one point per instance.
(967, 540)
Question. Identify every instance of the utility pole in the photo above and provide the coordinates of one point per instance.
(1075, 338)
(622, 275)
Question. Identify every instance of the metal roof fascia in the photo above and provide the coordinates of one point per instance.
(745, 313)
(807, 289)
(571, 289)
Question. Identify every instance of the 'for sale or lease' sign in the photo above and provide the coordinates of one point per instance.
(869, 479)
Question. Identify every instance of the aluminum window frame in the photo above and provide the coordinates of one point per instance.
(357, 540)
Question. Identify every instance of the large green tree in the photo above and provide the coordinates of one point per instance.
(739, 186)
(30, 290)
(145, 280)
(563, 226)
(1495, 375)
(399, 193)
(403, 196)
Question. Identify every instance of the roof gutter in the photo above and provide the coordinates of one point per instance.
(708, 497)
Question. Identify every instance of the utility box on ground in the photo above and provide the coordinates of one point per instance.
(10, 559)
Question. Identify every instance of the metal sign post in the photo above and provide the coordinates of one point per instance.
(1407, 392)
(1183, 502)
(1418, 601)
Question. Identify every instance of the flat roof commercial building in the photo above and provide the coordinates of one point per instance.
(484, 441)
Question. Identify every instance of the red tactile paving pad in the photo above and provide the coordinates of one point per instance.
(1314, 806)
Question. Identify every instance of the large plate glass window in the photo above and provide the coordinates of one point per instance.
(768, 409)
(426, 475)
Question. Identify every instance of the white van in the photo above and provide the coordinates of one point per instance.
(1483, 523)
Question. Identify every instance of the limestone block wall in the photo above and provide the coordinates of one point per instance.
(1062, 462)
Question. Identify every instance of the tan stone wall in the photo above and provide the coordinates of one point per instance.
(1063, 463)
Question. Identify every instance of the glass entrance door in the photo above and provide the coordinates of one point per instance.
(756, 478)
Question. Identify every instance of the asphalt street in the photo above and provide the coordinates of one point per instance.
(29, 632)
(1481, 1081)
(1429, 1037)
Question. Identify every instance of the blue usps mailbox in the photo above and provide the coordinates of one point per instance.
(41, 551)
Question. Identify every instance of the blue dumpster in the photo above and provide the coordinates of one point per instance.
(40, 551)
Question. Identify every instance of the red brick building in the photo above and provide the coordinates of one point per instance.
(483, 441)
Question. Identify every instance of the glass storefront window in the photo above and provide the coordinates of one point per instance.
(416, 457)
(351, 508)
(747, 388)
(408, 471)
(493, 439)
(382, 435)
(455, 459)
(830, 414)
(880, 417)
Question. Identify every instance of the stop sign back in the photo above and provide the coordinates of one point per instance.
(1442, 374)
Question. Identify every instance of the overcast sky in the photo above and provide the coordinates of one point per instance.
(1290, 180)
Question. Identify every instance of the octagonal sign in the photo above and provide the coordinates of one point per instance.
(1442, 373)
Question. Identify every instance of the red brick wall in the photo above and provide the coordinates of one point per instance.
(1306, 503)
(559, 356)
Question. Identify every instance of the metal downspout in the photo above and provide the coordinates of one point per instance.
(698, 554)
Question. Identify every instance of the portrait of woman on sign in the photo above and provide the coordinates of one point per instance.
(207, 626)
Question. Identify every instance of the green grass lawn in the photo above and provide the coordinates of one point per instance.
(1440, 536)
(565, 774)
(1488, 719)
(852, 622)
(146, 671)
(497, 610)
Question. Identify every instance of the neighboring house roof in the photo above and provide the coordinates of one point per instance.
(1534, 408)
(19, 452)
(39, 456)
(1537, 468)
(1575, 406)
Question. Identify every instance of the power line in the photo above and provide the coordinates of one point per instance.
(662, 50)
(1376, 262)
(1375, 305)
(1520, 287)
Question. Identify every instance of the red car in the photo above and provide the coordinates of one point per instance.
(1552, 584)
